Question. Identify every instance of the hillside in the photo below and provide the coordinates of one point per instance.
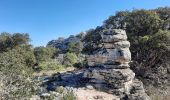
(148, 32)
(127, 58)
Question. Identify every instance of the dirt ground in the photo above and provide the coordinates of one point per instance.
(87, 94)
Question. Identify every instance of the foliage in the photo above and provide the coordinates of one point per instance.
(19, 39)
(75, 47)
(70, 59)
(163, 12)
(143, 22)
(44, 54)
(28, 54)
(161, 40)
(148, 33)
(9, 41)
(16, 73)
(16, 61)
(81, 64)
(8, 60)
(51, 65)
(92, 40)
(147, 30)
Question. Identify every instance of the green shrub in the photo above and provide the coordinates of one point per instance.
(82, 64)
(16, 73)
(44, 54)
(148, 32)
(92, 40)
(9, 41)
(51, 65)
(75, 47)
(70, 59)
(16, 62)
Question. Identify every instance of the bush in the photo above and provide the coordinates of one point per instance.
(16, 61)
(28, 54)
(44, 54)
(92, 40)
(75, 47)
(16, 73)
(82, 64)
(51, 65)
(9, 41)
(70, 59)
(148, 33)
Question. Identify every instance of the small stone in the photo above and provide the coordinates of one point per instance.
(89, 87)
(45, 95)
(54, 93)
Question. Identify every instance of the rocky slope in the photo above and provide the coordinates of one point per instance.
(63, 44)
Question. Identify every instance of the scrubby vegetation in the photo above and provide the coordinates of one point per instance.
(148, 32)
(16, 61)
(43, 54)
(19, 60)
(51, 65)
(70, 59)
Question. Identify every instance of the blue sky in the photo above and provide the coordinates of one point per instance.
(45, 20)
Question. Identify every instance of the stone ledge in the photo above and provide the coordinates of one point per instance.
(121, 44)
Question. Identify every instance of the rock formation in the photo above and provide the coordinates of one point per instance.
(110, 70)
(109, 76)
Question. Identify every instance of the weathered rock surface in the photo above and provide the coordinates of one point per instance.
(111, 72)
(109, 76)
(110, 36)
(110, 57)
(62, 43)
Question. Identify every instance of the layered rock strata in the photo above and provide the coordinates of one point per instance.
(110, 70)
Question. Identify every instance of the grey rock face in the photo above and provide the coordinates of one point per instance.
(62, 43)
(121, 44)
(110, 36)
(110, 56)
(110, 70)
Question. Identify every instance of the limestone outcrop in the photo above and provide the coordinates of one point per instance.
(109, 67)
(108, 77)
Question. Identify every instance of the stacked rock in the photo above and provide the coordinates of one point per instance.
(110, 70)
